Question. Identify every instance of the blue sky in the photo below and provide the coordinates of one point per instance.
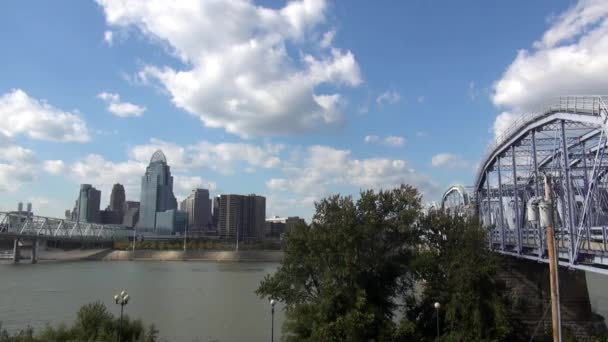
(291, 100)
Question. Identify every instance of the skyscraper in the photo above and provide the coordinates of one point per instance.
(215, 220)
(198, 207)
(87, 204)
(117, 198)
(247, 214)
(156, 191)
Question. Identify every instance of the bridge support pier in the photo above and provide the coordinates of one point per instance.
(34, 255)
(16, 251)
(527, 283)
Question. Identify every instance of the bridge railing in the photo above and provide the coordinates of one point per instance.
(594, 105)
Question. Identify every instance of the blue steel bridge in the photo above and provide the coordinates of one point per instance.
(567, 139)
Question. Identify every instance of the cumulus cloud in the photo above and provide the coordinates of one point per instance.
(328, 38)
(325, 168)
(54, 167)
(570, 58)
(183, 185)
(238, 74)
(223, 157)
(449, 161)
(120, 108)
(391, 140)
(388, 97)
(22, 114)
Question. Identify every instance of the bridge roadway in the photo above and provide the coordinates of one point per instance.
(567, 139)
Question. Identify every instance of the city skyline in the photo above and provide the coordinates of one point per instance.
(307, 98)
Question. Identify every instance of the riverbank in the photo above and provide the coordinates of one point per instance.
(195, 255)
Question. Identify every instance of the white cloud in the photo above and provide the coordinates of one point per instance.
(394, 141)
(22, 114)
(570, 58)
(224, 157)
(391, 140)
(102, 174)
(325, 168)
(420, 99)
(183, 185)
(108, 37)
(388, 97)
(238, 74)
(54, 167)
(369, 139)
(449, 161)
(328, 38)
(119, 108)
(14, 153)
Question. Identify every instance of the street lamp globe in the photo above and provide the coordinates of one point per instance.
(272, 302)
(436, 305)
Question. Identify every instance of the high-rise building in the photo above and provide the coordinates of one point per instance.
(156, 192)
(276, 226)
(68, 214)
(247, 214)
(215, 219)
(131, 214)
(117, 198)
(198, 207)
(87, 204)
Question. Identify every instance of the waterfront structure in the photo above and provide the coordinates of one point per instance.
(131, 214)
(86, 208)
(198, 207)
(156, 191)
(276, 226)
(243, 213)
(68, 214)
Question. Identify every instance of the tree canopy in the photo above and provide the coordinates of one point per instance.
(370, 270)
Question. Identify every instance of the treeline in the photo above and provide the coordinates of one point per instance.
(195, 244)
(372, 269)
(93, 323)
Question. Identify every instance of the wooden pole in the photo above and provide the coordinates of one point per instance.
(555, 314)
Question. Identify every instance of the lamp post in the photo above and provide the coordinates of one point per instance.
(272, 302)
(122, 298)
(437, 306)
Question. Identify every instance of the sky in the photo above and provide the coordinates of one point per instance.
(292, 100)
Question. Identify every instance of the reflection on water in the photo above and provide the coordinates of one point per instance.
(187, 301)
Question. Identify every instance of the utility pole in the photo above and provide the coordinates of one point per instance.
(547, 215)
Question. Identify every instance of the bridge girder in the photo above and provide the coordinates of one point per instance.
(568, 140)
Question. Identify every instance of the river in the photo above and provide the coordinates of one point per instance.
(187, 301)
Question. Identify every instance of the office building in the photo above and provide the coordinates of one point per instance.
(243, 213)
(198, 207)
(131, 214)
(215, 218)
(171, 221)
(156, 192)
(277, 226)
(117, 198)
(86, 208)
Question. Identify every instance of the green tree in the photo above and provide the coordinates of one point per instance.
(460, 272)
(342, 277)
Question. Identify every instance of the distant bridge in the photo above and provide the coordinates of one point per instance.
(26, 229)
(566, 138)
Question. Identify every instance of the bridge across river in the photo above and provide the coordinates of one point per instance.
(26, 229)
(567, 139)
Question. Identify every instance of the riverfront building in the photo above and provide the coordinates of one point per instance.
(86, 208)
(198, 207)
(276, 226)
(246, 214)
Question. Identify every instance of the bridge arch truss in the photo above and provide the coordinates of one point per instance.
(566, 139)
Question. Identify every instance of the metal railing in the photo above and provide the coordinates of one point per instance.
(590, 104)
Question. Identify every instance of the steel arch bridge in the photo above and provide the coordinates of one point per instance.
(566, 139)
(24, 227)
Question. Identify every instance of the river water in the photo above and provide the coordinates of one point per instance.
(187, 301)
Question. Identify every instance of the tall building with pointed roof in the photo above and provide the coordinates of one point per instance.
(156, 192)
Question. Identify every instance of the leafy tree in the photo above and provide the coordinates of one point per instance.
(342, 275)
(459, 271)
(93, 323)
